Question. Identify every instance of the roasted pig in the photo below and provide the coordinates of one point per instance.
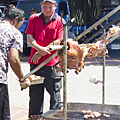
(74, 56)
(76, 53)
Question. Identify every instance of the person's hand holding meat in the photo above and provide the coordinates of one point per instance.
(24, 84)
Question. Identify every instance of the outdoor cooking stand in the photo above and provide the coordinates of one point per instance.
(73, 110)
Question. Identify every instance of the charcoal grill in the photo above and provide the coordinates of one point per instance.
(74, 111)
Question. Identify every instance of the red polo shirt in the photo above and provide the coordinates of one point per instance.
(44, 34)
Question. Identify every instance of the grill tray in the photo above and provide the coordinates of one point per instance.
(74, 112)
(77, 115)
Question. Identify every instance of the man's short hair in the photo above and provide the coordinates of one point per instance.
(15, 12)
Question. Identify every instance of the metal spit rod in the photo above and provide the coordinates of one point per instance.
(103, 85)
(113, 38)
(38, 67)
(56, 47)
(64, 68)
(65, 73)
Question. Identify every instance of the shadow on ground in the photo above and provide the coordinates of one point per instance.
(99, 61)
(109, 61)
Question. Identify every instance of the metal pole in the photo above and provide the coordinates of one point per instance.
(103, 85)
(65, 72)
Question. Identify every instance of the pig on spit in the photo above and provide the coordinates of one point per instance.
(76, 53)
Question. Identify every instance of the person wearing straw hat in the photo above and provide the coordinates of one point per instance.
(44, 29)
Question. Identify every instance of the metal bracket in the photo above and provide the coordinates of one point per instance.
(67, 20)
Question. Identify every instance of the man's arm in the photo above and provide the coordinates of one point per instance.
(56, 42)
(41, 50)
(15, 62)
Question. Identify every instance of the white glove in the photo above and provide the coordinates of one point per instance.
(24, 84)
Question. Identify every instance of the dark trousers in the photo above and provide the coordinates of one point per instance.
(36, 92)
(4, 102)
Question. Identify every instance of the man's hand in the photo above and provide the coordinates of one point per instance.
(43, 51)
(25, 84)
(36, 57)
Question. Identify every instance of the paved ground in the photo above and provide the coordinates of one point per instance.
(79, 89)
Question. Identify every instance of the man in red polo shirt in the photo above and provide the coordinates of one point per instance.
(43, 29)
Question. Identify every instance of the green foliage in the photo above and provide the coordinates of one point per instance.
(84, 11)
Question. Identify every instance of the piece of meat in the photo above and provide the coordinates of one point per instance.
(86, 111)
(98, 49)
(33, 77)
(88, 116)
(114, 31)
(105, 115)
(97, 114)
(74, 56)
